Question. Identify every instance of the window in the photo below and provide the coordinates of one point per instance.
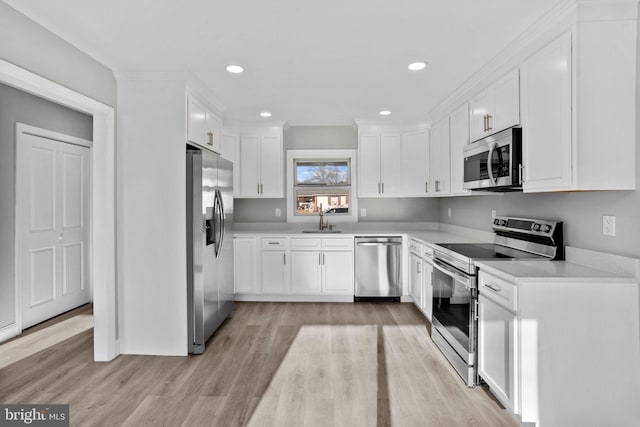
(322, 185)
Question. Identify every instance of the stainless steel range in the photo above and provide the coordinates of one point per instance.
(455, 290)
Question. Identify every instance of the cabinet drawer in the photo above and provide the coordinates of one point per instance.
(274, 243)
(500, 291)
(342, 244)
(305, 244)
(427, 251)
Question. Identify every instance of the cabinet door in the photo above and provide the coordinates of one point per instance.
(337, 272)
(390, 166)
(249, 166)
(427, 289)
(230, 150)
(245, 266)
(271, 176)
(546, 130)
(496, 340)
(439, 167)
(213, 133)
(415, 163)
(196, 123)
(306, 272)
(479, 107)
(274, 272)
(369, 166)
(506, 103)
(459, 138)
(415, 280)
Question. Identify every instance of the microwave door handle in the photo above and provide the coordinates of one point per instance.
(492, 147)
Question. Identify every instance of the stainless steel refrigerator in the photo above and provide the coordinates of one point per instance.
(209, 244)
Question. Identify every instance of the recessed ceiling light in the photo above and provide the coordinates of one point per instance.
(385, 112)
(416, 66)
(235, 69)
(265, 114)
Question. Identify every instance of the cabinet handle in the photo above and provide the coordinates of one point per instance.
(210, 140)
(261, 189)
(383, 188)
(426, 186)
(520, 174)
(489, 117)
(319, 261)
(418, 269)
(378, 188)
(274, 243)
(284, 259)
(258, 188)
(493, 287)
(484, 122)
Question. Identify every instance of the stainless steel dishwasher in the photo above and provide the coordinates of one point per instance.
(378, 268)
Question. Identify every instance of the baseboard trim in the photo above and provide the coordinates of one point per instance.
(9, 332)
(293, 298)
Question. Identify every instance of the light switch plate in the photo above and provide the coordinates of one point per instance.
(278, 212)
(363, 212)
(609, 225)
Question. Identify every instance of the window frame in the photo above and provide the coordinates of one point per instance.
(321, 155)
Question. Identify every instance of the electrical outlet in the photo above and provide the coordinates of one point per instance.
(448, 211)
(493, 215)
(278, 212)
(609, 225)
(363, 212)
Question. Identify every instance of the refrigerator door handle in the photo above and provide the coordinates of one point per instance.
(217, 223)
(222, 219)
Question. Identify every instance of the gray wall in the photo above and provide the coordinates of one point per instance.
(18, 106)
(335, 137)
(32, 47)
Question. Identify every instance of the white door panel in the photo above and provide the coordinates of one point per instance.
(53, 193)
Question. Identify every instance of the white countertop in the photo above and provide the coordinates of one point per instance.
(550, 271)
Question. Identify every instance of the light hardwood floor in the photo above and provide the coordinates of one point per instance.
(272, 364)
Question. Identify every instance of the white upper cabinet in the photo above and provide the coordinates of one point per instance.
(261, 166)
(203, 127)
(393, 164)
(497, 108)
(440, 183)
(546, 117)
(458, 139)
(380, 166)
(415, 163)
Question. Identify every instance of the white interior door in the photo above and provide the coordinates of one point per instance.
(53, 197)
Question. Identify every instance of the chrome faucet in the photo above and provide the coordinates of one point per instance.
(322, 223)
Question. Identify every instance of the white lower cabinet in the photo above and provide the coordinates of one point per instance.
(420, 285)
(496, 352)
(245, 274)
(274, 274)
(306, 274)
(294, 266)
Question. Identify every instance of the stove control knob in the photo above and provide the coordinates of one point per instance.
(546, 228)
(503, 222)
(496, 221)
(536, 227)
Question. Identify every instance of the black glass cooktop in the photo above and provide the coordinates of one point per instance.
(486, 251)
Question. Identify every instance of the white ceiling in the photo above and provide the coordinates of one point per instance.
(313, 62)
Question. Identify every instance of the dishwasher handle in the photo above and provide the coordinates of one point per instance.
(378, 243)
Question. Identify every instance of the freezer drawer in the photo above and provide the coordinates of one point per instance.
(378, 266)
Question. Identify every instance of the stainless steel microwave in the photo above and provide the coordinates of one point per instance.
(494, 163)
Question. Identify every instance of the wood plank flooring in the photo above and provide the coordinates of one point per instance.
(272, 364)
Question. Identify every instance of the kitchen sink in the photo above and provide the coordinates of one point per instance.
(322, 231)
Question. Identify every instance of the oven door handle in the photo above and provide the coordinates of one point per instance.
(449, 271)
(492, 148)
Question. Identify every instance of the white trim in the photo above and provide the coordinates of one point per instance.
(323, 154)
(9, 331)
(293, 298)
(102, 200)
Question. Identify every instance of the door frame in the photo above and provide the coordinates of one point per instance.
(22, 129)
(102, 240)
